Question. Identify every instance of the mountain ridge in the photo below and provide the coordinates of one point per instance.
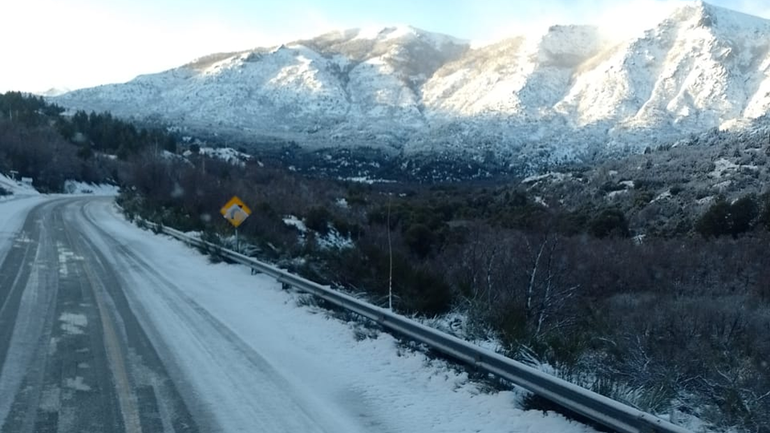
(565, 95)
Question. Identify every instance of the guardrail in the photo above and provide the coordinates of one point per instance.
(599, 408)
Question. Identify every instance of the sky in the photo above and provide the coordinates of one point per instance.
(82, 43)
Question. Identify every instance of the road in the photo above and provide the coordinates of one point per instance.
(79, 355)
(108, 328)
(74, 356)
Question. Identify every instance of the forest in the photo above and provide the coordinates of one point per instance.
(38, 141)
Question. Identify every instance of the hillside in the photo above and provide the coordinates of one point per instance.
(567, 95)
(664, 191)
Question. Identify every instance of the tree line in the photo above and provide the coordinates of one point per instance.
(38, 140)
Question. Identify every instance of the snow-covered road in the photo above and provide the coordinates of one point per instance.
(228, 350)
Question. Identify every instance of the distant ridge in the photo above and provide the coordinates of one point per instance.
(568, 94)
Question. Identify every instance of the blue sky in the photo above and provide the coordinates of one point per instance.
(81, 43)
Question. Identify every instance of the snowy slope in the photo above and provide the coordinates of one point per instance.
(555, 96)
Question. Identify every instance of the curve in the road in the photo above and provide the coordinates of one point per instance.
(74, 357)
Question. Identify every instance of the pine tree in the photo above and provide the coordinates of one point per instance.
(716, 221)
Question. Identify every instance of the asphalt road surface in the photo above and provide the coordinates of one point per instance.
(74, 357)
(99, 334)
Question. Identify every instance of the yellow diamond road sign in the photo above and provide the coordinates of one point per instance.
(235, 211)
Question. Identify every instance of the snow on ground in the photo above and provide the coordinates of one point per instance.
(366, 180)
(75, 187)
(663, 196)
(721, 166)
(347, 381)
(334, 240)
(15, 187)
(331, 240)
(613, 194)
(226, 154)
(13, 211)
(295, 222)
(553, 176)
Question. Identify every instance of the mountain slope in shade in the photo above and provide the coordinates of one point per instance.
(568, 93)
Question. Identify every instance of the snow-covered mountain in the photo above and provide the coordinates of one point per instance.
(570, 92)
(53, 91)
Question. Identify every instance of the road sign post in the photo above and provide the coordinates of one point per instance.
(235, 211)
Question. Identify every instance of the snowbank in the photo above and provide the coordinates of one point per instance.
(16, 187)
(74, 187)
(13, 212)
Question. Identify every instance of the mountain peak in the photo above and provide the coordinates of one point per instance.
(403, 32)
(53, 91)
(704, 14)
(388, 32)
